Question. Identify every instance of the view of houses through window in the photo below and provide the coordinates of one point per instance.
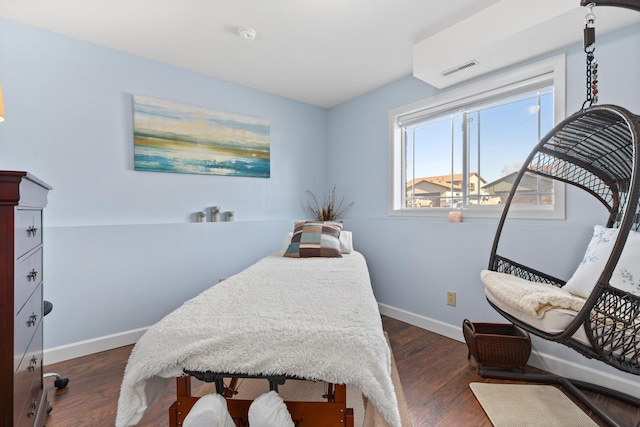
(470, 157)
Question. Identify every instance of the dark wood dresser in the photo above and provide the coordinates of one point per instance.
(23, 400)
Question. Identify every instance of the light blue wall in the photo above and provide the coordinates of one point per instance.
(415, 261)
(69, 118)
(121, 249)
(120, 246)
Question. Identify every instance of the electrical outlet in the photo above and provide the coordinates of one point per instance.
(451, 298)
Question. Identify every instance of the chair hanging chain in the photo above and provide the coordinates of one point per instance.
(592, 63)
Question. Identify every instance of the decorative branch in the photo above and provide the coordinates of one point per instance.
(328, 210)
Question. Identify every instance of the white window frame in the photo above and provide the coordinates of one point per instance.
(552, 69)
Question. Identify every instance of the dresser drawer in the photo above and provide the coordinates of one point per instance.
(23, 400)
(38, 404)
(27, 322)
(27, 278)
(28, 383)
(28, 230)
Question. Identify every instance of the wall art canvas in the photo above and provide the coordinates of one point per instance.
(173, 137)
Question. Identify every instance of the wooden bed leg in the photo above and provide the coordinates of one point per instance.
(349, 419)
(340, 393)
(183, 389)
(173, 415)
(183, 386)
(340, 396)
(184, 401)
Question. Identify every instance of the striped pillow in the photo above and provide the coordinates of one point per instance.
(315, 239)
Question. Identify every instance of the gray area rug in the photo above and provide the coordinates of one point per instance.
(529, 405)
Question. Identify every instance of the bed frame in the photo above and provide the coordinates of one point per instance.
(333, 412)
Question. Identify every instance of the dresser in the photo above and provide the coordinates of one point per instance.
(23, 399)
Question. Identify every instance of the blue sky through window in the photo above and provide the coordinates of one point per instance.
(501, 134)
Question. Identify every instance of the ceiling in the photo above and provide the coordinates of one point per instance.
(321, 52)
(501, 35)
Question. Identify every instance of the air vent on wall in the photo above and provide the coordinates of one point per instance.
(459, 68)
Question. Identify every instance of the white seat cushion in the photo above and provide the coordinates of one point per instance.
(554, 320)
(533, 298)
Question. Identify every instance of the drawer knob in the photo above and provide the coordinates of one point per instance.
(32, 231)
(32, 320)
(32, 275)
(32, 409)
(33, 363)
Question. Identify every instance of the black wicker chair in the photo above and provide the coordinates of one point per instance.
(596, 150)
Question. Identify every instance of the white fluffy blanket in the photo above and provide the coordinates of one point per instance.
(316, 318)
(532, 298)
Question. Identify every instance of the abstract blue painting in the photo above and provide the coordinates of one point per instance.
(173, 137)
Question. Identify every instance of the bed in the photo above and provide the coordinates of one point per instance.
(311, 318)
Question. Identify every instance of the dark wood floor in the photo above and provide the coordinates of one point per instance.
(434, 371)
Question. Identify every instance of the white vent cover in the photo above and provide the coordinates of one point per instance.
(458, 68)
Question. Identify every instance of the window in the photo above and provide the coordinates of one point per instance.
(462, 149)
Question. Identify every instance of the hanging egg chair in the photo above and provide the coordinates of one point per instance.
(597, 151)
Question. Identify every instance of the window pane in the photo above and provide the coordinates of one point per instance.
(434, 147)
(507, 132)
(410, 167)
(463, 147)
(473, 157)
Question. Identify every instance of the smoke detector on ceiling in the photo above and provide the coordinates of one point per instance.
(247, 34)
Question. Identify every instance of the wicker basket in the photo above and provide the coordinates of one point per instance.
(497, 345)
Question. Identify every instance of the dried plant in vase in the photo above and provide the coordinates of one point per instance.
(328, 210)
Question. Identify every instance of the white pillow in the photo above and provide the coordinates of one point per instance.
(210, 410)
(625, 277)
(346, 241)
(269, 410)
(287, 240)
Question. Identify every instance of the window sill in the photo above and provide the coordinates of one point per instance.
(538, 212)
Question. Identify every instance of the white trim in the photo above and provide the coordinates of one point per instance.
(547, 362)
(553, 67)
(423, 322)
(556, 65)
(95, 345)
(587, 374)
(470, 97)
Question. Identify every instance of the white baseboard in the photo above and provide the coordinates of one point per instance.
(569, 369)
(96, 345)
(547, 362)
(441, 328)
